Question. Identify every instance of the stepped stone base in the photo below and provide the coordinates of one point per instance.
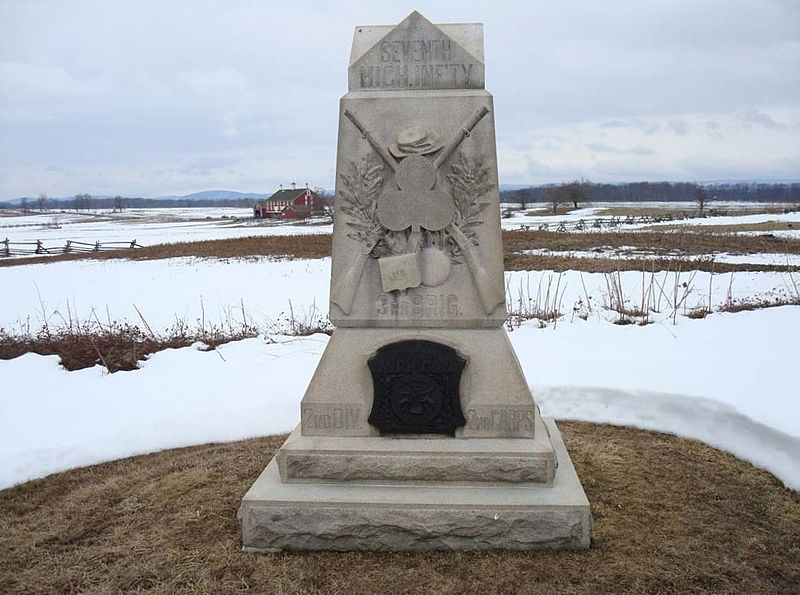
(424, 459)
(403, 516)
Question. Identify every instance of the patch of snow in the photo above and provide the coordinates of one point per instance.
(626, 252)
(727, 380)
(212, 292)
(713, 422)
(150, 226)
(180, 397)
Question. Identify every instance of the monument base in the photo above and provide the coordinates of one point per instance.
(417, 459)
(351, 516)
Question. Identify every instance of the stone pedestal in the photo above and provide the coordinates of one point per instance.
(415, 516)
(418, 430)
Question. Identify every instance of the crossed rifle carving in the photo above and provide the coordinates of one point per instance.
(343, 291)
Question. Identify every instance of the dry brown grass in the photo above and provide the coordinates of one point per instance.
(116, 346)
(319, 246)
(671, 516)
(297, 246)
(679, 209)
(687, 243)
(559, 264)
(547, 211)
(764, 226)
(641, 211)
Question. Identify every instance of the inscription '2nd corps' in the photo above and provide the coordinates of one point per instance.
(418, 306)
(502, 420)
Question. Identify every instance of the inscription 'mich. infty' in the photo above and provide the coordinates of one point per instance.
(428, 76)
(417, 64)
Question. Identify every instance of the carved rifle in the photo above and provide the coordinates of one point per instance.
(344, 288)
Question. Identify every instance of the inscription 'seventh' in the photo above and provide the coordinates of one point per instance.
(416, 50)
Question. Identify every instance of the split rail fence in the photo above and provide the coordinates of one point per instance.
(9, 248)
(605, 223)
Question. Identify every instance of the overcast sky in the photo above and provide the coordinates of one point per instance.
(149, 98)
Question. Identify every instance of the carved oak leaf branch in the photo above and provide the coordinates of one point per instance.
(470, 182)
(360, 188)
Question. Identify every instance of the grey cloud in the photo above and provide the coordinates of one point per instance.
(603, 148)
(759, 118)
(139, 86)
(679, 127)
(714, 129)
(646, 126)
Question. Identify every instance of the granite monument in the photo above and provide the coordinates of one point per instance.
(418, 429)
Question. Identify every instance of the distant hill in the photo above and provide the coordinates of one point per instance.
(203, 196)
(219, 195)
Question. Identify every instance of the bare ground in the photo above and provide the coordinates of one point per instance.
(671, 516)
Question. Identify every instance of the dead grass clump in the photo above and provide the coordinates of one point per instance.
(671, 516)
(122, 346)
(116, 346)
(544, 306)
(747, 304)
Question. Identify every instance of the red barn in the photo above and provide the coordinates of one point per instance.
(294, 203)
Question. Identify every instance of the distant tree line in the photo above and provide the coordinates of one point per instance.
(86, 202)
(572, 193)
(582, 191)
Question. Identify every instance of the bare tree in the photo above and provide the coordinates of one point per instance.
(554, 194)
(523, 196)
(329, 198)
(700, 196)
(574, 192)
(42, 200)
(81, 201)
(24, 204)
(119, 204)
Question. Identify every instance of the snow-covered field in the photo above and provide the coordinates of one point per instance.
(520, 220)
(730, 380)
(149, 226)
(626, 252)
(213, 292)
(159, 226)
